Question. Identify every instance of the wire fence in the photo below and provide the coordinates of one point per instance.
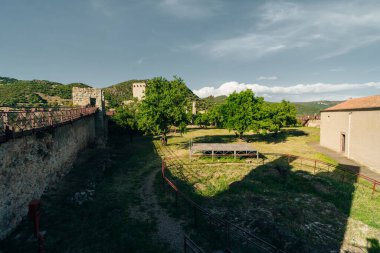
(16, 122)
(229, 236)
(335, 171)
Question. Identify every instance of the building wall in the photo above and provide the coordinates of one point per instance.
(29, 165)
(362, 135)
(138, 90)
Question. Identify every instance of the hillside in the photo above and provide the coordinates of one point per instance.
(14, 92)
(313, 107)
(302, 107)
(116, 94)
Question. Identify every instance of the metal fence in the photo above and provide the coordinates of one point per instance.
(341, 173)
(189, 246)
(230, 236)
(15, 122)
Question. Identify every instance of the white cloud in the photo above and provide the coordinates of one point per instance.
(279, 92)
(267, 78)
(329, 29)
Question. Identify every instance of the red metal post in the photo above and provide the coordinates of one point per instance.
(374, 188)
(34, 215)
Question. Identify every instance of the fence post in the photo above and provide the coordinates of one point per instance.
(163, 171)
(195, 215)
(176, 199)
(228, 235)
(374, 188)
(184, 244)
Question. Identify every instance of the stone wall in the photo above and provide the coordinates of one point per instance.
(93, 97)
(314, 123)
(30, 164)
(88, 96)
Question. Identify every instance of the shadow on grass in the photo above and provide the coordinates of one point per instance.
(373, 245)
(281, 136)
(294, 210)
(106, 183)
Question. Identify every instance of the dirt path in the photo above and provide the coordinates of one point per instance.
(168, 229)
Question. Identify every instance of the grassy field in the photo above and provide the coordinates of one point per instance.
(290, 205)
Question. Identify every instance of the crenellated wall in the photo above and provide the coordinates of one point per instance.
(30, 164)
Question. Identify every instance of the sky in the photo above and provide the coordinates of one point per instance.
(294, 50)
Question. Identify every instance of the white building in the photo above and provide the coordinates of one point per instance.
(353, 129)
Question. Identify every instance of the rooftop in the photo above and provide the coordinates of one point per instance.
(371, 102)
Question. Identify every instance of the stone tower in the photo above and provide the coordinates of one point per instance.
(93, 97)
(194, 109)
(138, 90)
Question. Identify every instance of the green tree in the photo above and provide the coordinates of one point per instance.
(275, 116)
(164, 105)
(126, 117)
(241, 112)
(201, 119)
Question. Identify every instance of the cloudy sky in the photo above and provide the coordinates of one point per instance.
(295, 50)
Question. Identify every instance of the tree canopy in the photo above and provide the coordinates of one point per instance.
(241, 112)
(164, 105)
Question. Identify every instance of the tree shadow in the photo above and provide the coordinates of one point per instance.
(294, 210)
(373, 245)
(281, 136)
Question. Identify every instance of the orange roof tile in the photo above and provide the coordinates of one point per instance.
(371, 102)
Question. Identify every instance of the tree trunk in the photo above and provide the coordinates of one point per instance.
(241, 135)
(163, 139)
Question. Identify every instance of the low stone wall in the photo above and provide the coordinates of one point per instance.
(30, 164)
(314, 123)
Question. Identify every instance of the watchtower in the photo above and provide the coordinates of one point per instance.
(138, 90)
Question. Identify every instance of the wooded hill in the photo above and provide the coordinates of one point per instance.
(303, 108)
(14, 92)
(47, 93)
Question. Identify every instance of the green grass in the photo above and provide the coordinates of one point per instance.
(280, 203)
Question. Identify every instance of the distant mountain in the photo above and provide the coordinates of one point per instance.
(313, 107)
(302, 107)
(14, 92)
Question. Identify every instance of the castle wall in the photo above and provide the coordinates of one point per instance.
(29, 165)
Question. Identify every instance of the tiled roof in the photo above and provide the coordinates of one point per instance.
(371, 102)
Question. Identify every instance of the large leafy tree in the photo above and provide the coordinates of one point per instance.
(275, 116)
(164, 105)
(126, 117)
(241, 112)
